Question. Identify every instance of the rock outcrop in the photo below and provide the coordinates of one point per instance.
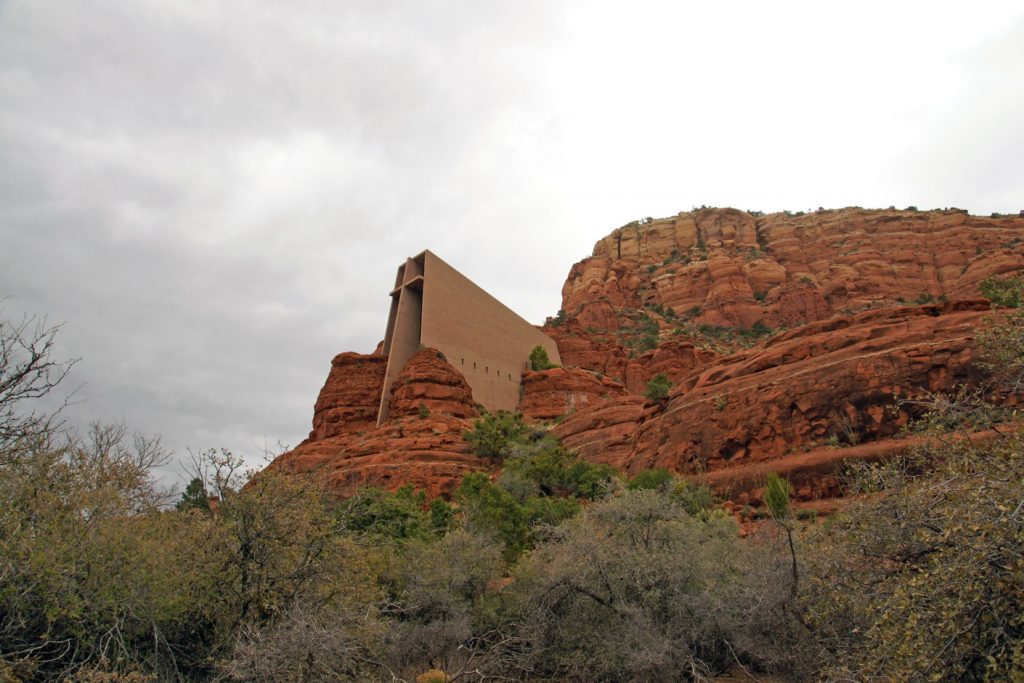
(820, 299)
(606, 432)
(788, 339)
(421, 444)
(350, 397)
(551, 394)
(835, 381)
(732, 268)
(428, 385)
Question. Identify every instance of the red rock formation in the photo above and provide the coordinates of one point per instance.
(419, 446)
(429, 385)
(589, 349)
(832, 285)
(676, 359)
(732, 268)
(606, 432)
(550, 394)
(350, 397)
(803, 387)
(428, 453)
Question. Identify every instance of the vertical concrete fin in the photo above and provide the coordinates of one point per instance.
(402, 338)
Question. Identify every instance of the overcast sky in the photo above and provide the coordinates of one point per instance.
(214, 195)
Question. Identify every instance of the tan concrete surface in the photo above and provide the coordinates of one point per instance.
(436, 306)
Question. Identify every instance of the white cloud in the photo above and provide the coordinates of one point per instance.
(214, 195)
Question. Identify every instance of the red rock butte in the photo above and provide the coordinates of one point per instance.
(787, 338)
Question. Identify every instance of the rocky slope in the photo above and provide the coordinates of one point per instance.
(832, 382)
(787, 339)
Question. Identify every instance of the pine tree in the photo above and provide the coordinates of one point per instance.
(194, 497)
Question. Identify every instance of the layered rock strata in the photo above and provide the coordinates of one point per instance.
(836, 382)
(730, 267)
(421, 444)
(789, 339)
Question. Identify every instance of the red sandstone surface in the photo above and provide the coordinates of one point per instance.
(351, 395)
(429, 386)
(834, 290)
(421, 444)
(550, 394)
(737, 268)
(803, 388)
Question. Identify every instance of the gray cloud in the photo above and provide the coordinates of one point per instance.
(214, 195)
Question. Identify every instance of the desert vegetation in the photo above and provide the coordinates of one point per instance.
(555, 569)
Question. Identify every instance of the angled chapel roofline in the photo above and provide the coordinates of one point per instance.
(421, 257)
(433, 304)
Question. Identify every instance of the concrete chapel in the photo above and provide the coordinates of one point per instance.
(436, 306)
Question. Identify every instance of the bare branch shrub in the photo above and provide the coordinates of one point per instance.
(28, 371)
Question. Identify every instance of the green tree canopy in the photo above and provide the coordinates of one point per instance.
(539, 359)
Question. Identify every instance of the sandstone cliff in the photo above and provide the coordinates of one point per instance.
(787, 339)
(729, 267)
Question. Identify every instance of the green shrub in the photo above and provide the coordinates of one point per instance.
(378, 514)
(441, 516)
(776, 496)
(539, 359)
(658, 388)
(696, 499)
(635, 589)
(194, 497)
(589, 480)
(494, 433)
(558, 320)
(1007, 292)
(758, 329)
(491, 510)
(643, 334)
(546, 468)
(922, 582)
(656, 479)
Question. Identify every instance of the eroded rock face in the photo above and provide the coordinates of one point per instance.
(588, 348)
(429, 453)
(831, 296)
(428, 385)
(731, 268)
(350, 397)
(676, 359)
(421, 444)
(605, 433)
(830, 379)
(550, 394)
